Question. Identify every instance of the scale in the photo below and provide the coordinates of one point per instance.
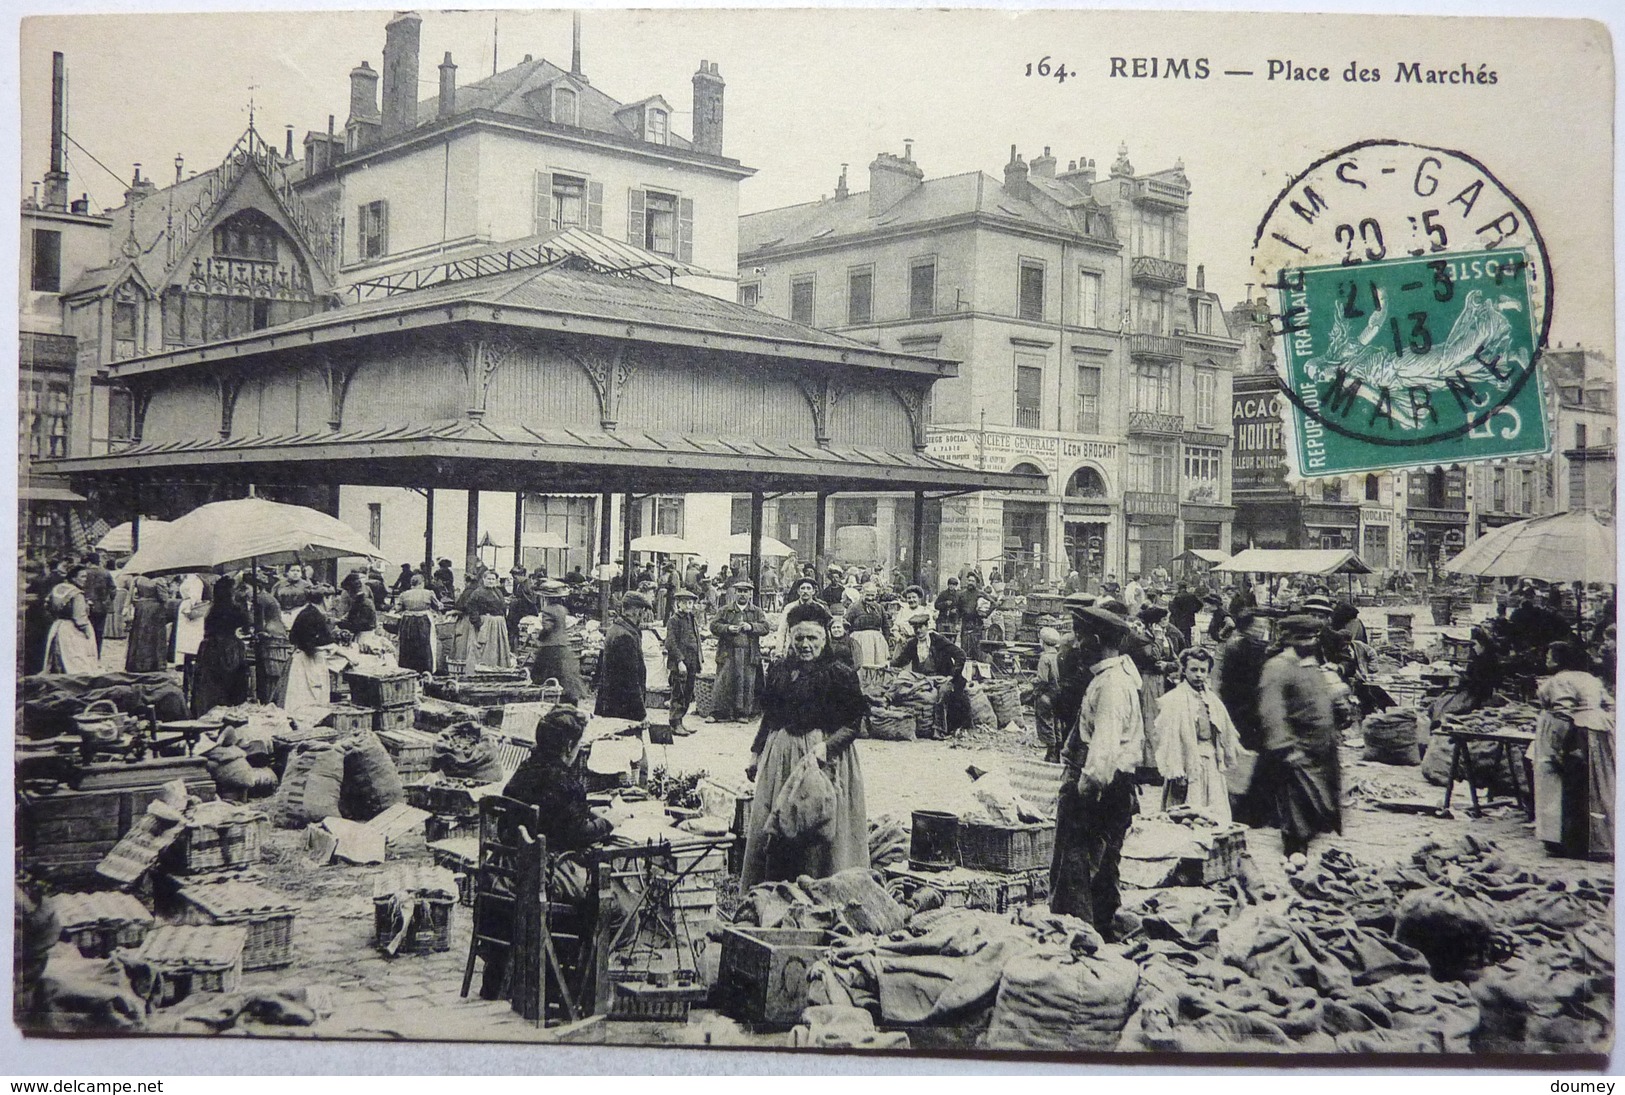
(652, 957)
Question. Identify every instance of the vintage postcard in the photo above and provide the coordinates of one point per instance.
(980, 531)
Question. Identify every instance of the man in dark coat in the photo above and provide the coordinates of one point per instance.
(834, 591)
(682, 658)
(739, 628)
(1300, 736)
(522, 603)
(621, 673)
(555, 658)
(1182, 612)
(99, 593)
(950, 611)
(933, 655)
(444, 583)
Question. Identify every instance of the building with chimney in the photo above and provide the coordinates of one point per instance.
(1092, 355)
(60, 238)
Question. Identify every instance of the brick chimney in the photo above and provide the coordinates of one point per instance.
(893, 178)
(1042, 167)
(840, 185)
(362, 125)
(1201, 276)
(56, 179)
(140, 189)
(708, 87)
(448, 88)
(401, 72)
(1015, 175)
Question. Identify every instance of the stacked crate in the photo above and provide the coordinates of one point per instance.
(391, 694)
(266, 918)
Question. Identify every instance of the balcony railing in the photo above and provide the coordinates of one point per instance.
(48, 350)
(1154, 423)
(1150, 270)
(1155, 347)
(1161, 192)
(1146, 503)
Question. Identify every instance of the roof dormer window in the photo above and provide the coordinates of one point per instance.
(565, 106)
(656, 125)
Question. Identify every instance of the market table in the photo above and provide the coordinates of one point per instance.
(1511, 742)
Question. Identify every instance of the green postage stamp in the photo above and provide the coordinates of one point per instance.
(1411, 298)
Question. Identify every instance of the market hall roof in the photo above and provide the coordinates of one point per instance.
(566, 295)
(463, 453)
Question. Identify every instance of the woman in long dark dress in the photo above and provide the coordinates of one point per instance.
(220, 670)
(811, 705)
(419, 646)
(1573, 757)
(147, 649)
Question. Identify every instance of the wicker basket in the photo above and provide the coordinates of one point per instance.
(420, 900)
(267, 918)
(411, 749)
(392, 688)
(194, 958)
(346, 719)
(99, 923)
(704, 685)
(218, 835)
(1006, 849)
(394, 718)
(892, 724)
(1005, 696)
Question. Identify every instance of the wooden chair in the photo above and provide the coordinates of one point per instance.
(515, 922)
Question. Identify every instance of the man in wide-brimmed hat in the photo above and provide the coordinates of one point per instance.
(1099, 759)
(739, 628)
(1295, 706)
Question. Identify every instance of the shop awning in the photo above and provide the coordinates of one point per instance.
(45, 493)
(1201, 555)
(1300, 561)
(465, 454)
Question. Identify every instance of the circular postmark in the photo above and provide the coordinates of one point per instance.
(1409, 297)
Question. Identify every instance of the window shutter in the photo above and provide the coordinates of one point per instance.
(685, 229)
(541, 215)
(634, 217)
(595, 208)
(363, 225)
(383, 227)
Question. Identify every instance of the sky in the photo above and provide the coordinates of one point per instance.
(809, 90)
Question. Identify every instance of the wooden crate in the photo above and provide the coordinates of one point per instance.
(459, 855)
(347, 719)
(762, 978)
(1006, 849)
(267, 917)
(966, 889)
(218, 835)
(189, 958)
(382, 688)
(403, 829)
(411, 750)
(64, 834)
(99, 923)
(1222, 861)
(388, 719)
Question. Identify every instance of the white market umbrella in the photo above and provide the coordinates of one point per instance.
(1576, 546)
(545, 541)
(739, 544)
(245, 532)
(663, 544)
(120, 539)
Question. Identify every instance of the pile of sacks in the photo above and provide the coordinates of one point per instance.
(353, 778)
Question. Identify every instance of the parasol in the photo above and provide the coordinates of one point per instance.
(247, 532)
(1575, 546)
(739, 544)
(120, 539)
(662, 544)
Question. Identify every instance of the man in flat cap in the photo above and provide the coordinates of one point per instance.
(739, 628)
(1295, 706)
(682, 657)
(1098, 799)
(621, 674)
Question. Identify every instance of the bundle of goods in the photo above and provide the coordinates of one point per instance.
(266, 917)
(99, 923)
(875, 680)
(412, 910)
(982, 715)
(50, 701)
(466, 752)
(891, 724)
(1181, 847)
(371, 784)
(921, 695)
(311, 785)
(1067, 998)
(232, 768)
(217, 836)
(1393, 737)
(888, 841)
(483, 690)
(410, 749)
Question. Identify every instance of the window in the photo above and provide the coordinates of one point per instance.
(1152, 313)
(802, 299)
(1204, 317)
(44, 418)
(1579, 435)
(750, 294)
(1032, 290)
(1331, 490)
(1498, 490)
(1152, 466)
(668, 516)
(1029, 391)
(1088, 299)
(860, 291)
(120, 414)
(1207, 394)
(1086, 482)
(375, 523)
(660, 223)
(1088, 399)
(1526, 496)
(372, 236)
(248, 235)
(1155, 387)
(1435, 489)
(47, 273)
(569, 201)
(922, 288)
(657, 126)
(1156, 234)
(1202, 466)
(126, 318)
(260, 315)
(1373, 489)
(564, 106)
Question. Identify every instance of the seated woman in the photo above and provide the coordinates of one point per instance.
(1196, 742)
(1573, 758)
(811, 705)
